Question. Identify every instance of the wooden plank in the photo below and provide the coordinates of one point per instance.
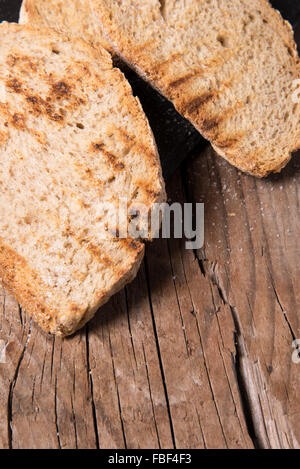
(251, 254)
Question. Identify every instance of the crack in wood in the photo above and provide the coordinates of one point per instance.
(43, 371)
(229, 384)
(52, 356)
(200, 426)
(20, 314)
(242, 383)
(284, 312)
(74, 422)
(33, 391)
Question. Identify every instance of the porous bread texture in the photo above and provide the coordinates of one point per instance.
(228, 67)
(71, 17)
(72, 138)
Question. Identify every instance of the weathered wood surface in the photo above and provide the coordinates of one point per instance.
(195, 353)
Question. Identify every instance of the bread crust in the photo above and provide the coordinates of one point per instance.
(167, 57)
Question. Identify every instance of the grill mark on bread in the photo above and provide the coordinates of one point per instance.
(140, 47)
(95, 251)
(40, 136)
(76, 309)
(210, 124)
(173, 57)
(38, 105)
(99, 255)
(197, 102)
(14, 119)
(217, 59)
(87, 173)
(112, 159)
(131, 244)
(22, 61)
(135, 246)
(150, 192)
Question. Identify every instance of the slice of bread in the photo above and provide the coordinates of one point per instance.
(73, 140)
(228, 67)
(71, 17)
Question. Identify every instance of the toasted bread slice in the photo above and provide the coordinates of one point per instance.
(73, 139)
(71, 17)
(228, 67)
